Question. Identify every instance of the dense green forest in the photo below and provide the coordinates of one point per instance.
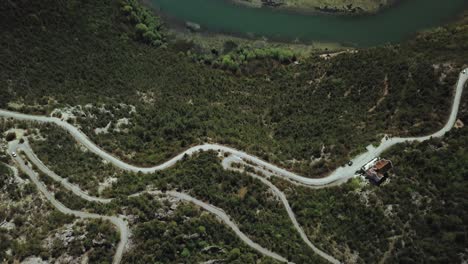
(75, 162)
(161, 232)
(185, 234)
(204, 238)
(259, 214)
(250, 204)
(165, 230)
(418, 216)
(398, 222)
(110, 66)
(285, 113)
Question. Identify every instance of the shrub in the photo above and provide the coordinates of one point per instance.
(147, 26)
(10, 136)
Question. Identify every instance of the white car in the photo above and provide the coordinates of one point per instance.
(464, 71)
(14, 154)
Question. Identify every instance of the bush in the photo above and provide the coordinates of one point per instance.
(141, 28)
(127, 9)
(147, 26)
(10, 136)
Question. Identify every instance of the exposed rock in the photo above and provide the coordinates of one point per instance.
(147, 97)
(34, 260)
(106, 183)
(459, 124)
(7, 225)
(192, 236)
(213, 261)
(103, 130)
(162, 213)
(193, 26)
(132, 218)
(416, 198)
(99, 240)
(69, 114)
(388, 210)
(212, 249)
(174, 206)
(65, 258)
(18, 132)
(122, 122)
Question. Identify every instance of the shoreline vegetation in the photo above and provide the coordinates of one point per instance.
(196, 27)
(205, 39)
(330, 7)
(187, 31)
(219, 50)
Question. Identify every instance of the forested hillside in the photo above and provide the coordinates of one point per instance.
(250, 204)
(108, 67)
(417, 215)
(308, 117)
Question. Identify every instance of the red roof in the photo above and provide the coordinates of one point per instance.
(383, 165)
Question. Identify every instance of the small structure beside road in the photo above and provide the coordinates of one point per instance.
(376, 170)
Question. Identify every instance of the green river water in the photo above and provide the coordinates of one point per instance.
(389, 26)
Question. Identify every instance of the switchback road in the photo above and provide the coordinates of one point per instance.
(339, 175)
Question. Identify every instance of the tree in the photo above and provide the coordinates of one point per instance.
(141, 28)
(185, 253)
(234, 254)
(202, 229)
(10, 136)
(127, 9)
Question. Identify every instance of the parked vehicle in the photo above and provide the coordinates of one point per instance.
(14, 154)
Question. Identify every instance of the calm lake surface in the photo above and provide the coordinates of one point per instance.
(392, 25)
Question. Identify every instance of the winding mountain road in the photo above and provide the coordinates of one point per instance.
(25, 148)
(44, 169)
(373, 152)
(121, 224)
(227, 164)
(227, 220)
(339, 175)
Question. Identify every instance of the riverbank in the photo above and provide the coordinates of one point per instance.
(206, 40)
(310, 7)
(394, 25)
